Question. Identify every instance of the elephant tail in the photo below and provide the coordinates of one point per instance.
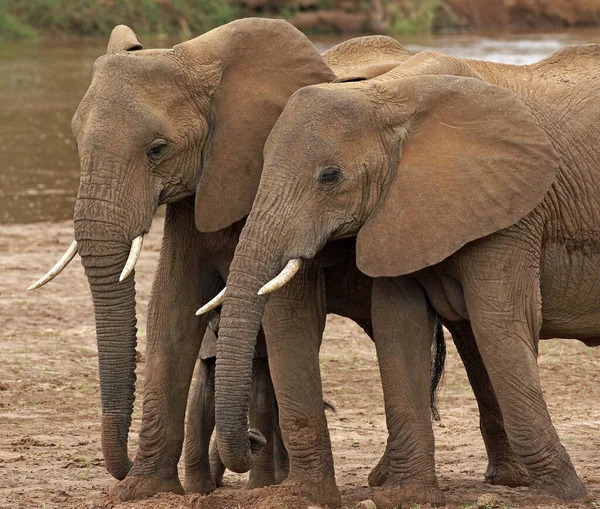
(438, 360)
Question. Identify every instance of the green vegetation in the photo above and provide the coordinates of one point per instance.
(411, 17)
(22, 19)
(30, 18)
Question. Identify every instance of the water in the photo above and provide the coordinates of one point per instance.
(41, 85)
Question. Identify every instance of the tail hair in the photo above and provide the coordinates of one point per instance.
(438, 361)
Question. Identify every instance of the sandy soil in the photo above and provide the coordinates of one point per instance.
(50, 455)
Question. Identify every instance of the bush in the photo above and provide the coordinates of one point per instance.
(408, 17)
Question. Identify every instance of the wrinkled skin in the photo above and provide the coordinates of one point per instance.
(470, 188)
(202, 474)
(186, 127)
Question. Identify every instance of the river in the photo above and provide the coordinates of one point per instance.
(42, 83)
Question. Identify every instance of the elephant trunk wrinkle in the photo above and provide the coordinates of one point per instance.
(254, 264)
(114, 309)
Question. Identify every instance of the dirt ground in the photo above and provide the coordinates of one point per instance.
(50, 454)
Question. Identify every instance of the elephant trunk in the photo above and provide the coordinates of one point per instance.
(104, 246)
(253, 265)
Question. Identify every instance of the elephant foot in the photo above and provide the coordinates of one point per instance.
(199, 482)
(138, 487)
(507, 473)
(380, 473)
(323, 492)
(408, 495)
(568, 488)
(260, 479)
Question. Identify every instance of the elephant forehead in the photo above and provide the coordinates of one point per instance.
(129, 95)
(153, 75)
(142, 71)
(321, 123)
(328, 103)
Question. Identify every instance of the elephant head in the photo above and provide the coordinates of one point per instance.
(415, 163)
(157, 126)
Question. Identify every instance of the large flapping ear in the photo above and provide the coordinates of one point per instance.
(363, 58)
(122, 38)
(261, 63)
(473, 161)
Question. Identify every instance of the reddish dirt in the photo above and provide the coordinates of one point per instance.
(50, 455)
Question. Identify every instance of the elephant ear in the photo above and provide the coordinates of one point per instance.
(122, 38)
(362, 58)
(472, 160)
(260, 63)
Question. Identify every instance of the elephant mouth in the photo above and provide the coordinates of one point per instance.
(134, 254)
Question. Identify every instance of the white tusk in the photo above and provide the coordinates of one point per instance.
(58, 268)
(134, 254)
(214, 303)
(284, 276)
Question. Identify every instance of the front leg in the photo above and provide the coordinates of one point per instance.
(260, 414)
(293, 322)
(404, 328)
(174, 336)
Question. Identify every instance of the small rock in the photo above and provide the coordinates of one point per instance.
(487, 501)
(366, 504)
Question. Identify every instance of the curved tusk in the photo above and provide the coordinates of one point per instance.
(284, 276)
(58, 268)
(214, 303)
(134, 254)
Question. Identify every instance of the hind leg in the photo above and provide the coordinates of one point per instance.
(504, 466)
(501, 285)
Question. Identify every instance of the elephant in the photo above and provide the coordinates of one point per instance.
(470, 190)
(185, 127)
(272, 465)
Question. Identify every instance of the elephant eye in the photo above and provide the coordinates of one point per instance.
(329, 176)
(157, 149)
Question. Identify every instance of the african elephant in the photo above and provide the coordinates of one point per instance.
(186, 127)
(471, 189)
(272, 464)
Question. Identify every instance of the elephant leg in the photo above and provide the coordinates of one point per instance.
(380, 473)
(260, 414)
(280, 454)
(504, 466)
(217, 468)
(174, 337)
(199, 428)
(294, 320)
(404, 329)
(504, 305)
